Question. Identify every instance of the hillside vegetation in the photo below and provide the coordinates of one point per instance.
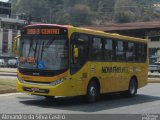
(87, 12)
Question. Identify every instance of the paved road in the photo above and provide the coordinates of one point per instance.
(147, 101)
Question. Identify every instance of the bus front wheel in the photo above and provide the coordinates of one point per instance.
(92, 91)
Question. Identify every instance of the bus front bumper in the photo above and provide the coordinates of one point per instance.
(61, 89)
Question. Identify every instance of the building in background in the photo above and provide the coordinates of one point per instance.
(9, 28)
(5, 8)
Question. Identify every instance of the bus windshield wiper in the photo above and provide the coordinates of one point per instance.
(46, 46)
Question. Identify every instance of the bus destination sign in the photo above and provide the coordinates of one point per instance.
(44, 31)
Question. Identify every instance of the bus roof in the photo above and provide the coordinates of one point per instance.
(92, 31)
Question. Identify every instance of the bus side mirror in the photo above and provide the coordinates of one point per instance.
(76, 51)
(16, 45)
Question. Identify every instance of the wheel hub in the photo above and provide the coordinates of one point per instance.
(92, 91)
(132, 88)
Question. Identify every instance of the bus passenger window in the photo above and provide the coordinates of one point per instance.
(141, 52)
(109, 51)
(97, 51)
(120, 51)
(130, 53)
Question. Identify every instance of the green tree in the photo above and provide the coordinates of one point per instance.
(123, 17)
(80, 15)
(146, 9)
(105, 11)
(126, 11)
(86, 12)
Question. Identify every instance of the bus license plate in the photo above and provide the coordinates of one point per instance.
(36, 90)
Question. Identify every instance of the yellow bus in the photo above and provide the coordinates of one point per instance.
(61, 60)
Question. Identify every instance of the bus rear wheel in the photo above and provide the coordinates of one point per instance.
(92, 91)
(132, 89)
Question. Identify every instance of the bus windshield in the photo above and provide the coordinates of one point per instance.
(44, 53)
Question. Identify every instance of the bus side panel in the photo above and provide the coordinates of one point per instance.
(142, 74)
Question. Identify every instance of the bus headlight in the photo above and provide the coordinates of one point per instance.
(57, 82)
(54, 83)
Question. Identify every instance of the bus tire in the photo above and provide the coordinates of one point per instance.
(132, 89)
(92, 91)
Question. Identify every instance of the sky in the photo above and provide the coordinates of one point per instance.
(4, 0)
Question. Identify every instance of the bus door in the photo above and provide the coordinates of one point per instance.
(79, 54)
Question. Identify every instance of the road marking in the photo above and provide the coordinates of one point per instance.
(9, 94)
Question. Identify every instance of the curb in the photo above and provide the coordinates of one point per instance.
(11, 90)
